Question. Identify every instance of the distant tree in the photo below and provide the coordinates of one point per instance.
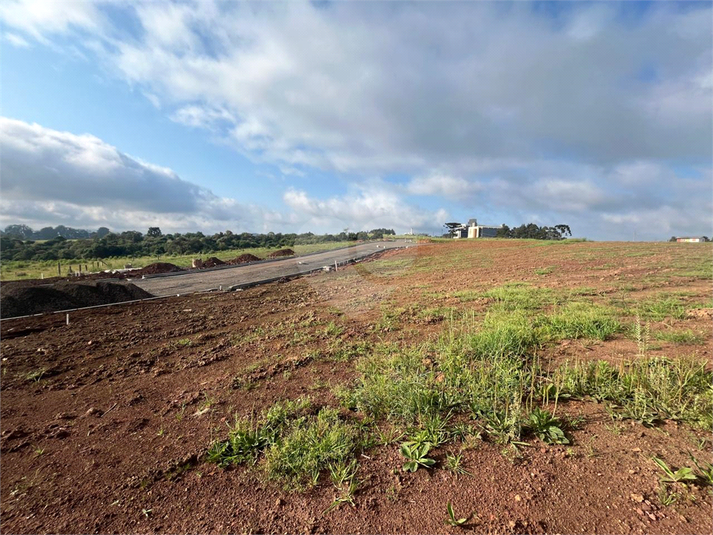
(705, 238)
(564, 230)
(503, 232)
(22, 232)
(673, 238)
(452, 227)
(132, 236)
(46, 233)
(102, 231)
(154, 232)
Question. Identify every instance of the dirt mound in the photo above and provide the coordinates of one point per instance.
(281, 253)
(158, 267)
(19, 301)
(244, 258)
(53, 280)
(212, 262)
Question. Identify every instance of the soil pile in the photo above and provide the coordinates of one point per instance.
(212, 262)
(281, 253)
(158, 267)
(19, 301)
(244, 258)
(53, 280)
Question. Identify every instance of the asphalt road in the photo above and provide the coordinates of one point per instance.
(196, 281)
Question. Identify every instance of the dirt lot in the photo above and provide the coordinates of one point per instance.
(105, 422)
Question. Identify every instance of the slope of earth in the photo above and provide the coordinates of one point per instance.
(105, 423)
(19, 300)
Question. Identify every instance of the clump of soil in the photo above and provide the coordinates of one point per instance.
(281, 253)
(158, 267)
(19, 301)
(212, 262)
(244, 258)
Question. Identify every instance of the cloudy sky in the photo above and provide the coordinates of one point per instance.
(320, 116)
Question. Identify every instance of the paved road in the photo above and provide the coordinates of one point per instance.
(196, 281)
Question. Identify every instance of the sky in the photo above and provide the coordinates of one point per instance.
(324, 116)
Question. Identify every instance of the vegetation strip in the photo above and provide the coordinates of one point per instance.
(472, 381)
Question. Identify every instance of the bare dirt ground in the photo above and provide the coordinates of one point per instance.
(105, 422)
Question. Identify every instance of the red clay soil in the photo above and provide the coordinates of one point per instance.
(104, 422)
(212, 262)
(22, 301)
(156, 268)
(281, 253)
(244, 259)
(24, 283)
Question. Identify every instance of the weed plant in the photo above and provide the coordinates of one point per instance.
(415, 454)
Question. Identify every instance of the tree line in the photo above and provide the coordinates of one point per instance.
(19, 242)
(535, 232)
(528, 231)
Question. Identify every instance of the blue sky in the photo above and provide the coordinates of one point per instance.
(300, 117)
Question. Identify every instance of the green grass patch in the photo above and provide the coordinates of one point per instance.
(683, 337)
(296, 444)
(544, 271)
(477, 377)
(581, 320)
(661, 308)
(343, 352)
(310, 445)
(646, 390)
(516, 296)
(465, 296)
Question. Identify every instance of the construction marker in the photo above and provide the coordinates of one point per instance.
(335, 265)
(67, 319)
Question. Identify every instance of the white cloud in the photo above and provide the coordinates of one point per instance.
(441, 185)
(378, 88)
(15, 40)
(52, 177)
(42, 18)
(374, 205)
(41, 164)
(201, 117)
